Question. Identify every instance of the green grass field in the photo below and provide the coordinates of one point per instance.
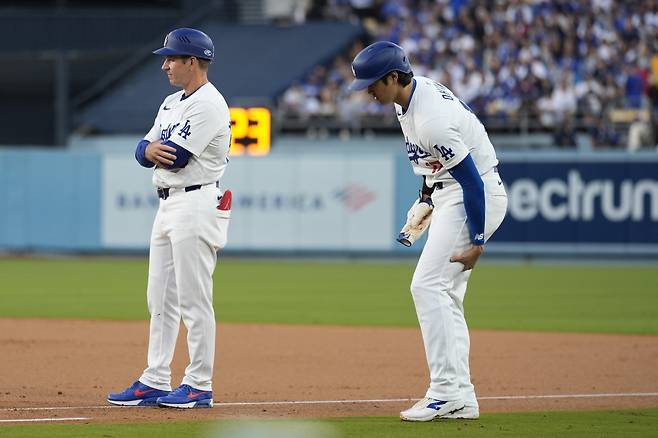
(588, 424)
(517, 297)
(602, 299)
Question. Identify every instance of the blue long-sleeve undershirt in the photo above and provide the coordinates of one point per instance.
(140, 154)
(182, 155)
(468, 177)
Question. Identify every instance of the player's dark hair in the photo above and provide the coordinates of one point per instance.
(404, 79)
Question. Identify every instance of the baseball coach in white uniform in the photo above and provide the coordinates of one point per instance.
(463, 201)
(188, 145)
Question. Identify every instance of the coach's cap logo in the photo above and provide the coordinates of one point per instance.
(207, 52)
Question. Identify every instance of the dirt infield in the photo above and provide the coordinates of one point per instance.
(70, 366)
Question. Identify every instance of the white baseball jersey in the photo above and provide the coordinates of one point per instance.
(200, 123)
(440, 130)
(187, 233)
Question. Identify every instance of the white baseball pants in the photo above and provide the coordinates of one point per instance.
(438, 288)
(187, 233)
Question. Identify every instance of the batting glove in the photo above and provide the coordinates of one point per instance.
(418, 220)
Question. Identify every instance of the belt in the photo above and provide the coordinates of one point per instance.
(163, 192)
(440, 185)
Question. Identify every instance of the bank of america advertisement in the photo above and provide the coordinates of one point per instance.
(279, 203)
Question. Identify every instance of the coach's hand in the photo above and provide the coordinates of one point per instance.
(159, 153)
(469, 257)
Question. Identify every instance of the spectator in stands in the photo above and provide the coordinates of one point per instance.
(602, 133)
(546, 111)
(327, 102)
(639, 132)
(564, 100)
(565, 134)
(652, 97)
(634, 88)
(285, 12)
(363, 8)
(511, 59)
(292, 102)
(643, 131)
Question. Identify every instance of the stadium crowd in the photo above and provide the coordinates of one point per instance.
(564, 64)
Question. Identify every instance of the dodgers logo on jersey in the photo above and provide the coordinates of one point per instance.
(165, 134)
(446, 152)
(185, 130)
(415, 152)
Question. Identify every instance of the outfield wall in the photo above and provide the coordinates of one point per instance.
(560, 203)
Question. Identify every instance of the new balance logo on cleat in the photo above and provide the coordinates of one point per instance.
(436, 405)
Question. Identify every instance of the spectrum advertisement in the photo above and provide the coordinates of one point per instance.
(580, 204)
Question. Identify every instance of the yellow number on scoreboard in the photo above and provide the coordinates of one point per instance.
(251, 131)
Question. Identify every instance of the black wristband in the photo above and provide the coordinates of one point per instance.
(426, 190)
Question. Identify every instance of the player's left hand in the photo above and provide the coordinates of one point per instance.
(469, 257)
(160, 154)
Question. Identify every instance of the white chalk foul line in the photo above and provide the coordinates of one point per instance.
(399, 400)
(331, 402)
(33, 420)
(531, 397)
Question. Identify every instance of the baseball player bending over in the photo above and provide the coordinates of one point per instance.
(463, 197)
(188, 145)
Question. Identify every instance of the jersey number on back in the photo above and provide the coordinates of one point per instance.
(446, 153)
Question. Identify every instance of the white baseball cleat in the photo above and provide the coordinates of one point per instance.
(428, 409)
(468, 413)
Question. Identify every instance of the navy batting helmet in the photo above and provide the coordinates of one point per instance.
(188, 42)
(376, 61)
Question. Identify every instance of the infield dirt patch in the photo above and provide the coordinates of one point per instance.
(72, 365)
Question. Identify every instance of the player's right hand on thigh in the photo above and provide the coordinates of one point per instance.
(469, 257)
(159, 153)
